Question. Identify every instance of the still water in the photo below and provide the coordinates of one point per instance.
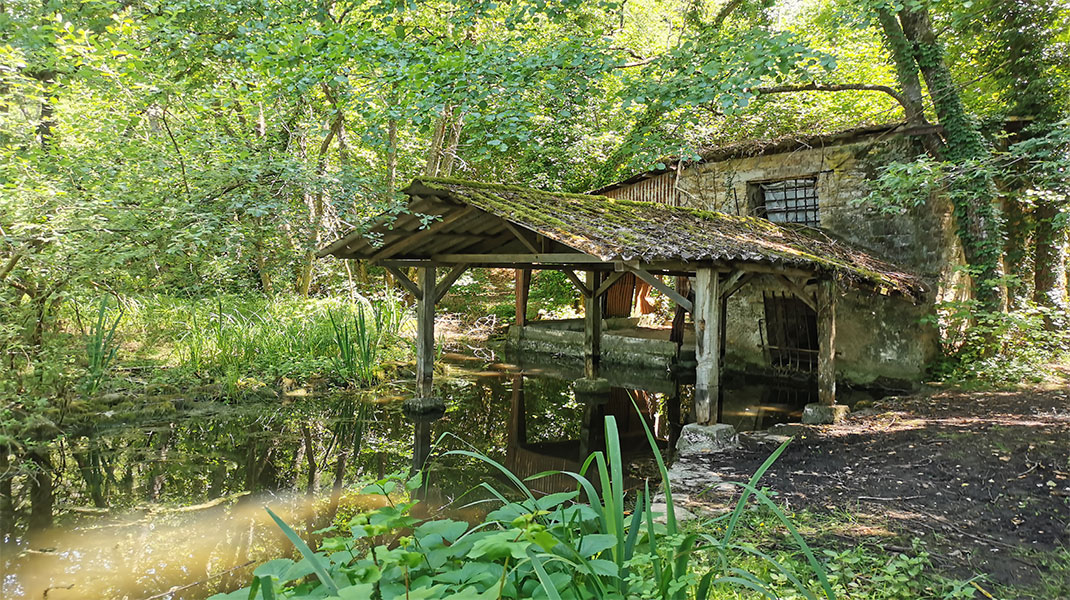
(170, 505)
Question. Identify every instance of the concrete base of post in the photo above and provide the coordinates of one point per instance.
(421, 406)
(703, 439)
(824, 414)
(587, 386)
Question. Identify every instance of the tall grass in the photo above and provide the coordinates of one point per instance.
(227, 339)
(578, 545)
(100, 346)
(360, 341)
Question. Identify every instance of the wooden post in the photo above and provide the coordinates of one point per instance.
(425, 333)
(707, 317)
(826, 342)
(592, 329)
(523, 285)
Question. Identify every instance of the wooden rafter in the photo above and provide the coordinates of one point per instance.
(520, 236)
(418, 236)
(608, 283)
(736, 281)
(562, 258)
(797, 289)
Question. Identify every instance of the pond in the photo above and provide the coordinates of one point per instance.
(170, 504)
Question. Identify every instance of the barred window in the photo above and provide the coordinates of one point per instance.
(789, 201)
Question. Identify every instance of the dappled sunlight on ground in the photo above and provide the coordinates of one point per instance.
(983, 476)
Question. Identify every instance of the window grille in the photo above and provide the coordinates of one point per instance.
(791, 333)
(790, 201)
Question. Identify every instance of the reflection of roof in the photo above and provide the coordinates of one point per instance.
(784, 143)
(609, 229)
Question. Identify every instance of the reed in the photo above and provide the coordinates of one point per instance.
(100, 347)
(360, 340)
(234, 339)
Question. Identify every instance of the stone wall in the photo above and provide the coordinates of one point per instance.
(880, 340)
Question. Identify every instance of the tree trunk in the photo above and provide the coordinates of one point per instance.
(316, 204)
(310, 456)
(434, 153)
(46, 125)
(1049, 273)
(7, 499)
(906, 70)
(41, 497)
(972, 192)
(450, 154)
(1019, 241)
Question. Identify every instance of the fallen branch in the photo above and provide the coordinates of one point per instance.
(179, 588)
(201, 506)
(885, 499)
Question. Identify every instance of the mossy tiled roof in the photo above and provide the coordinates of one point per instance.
(624, 230)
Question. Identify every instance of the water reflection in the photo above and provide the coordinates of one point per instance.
(174, 497)
(199, 550)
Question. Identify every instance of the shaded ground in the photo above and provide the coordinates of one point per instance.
(983, 477)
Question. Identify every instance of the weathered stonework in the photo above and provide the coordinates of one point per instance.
(881, 340)
(703, 439)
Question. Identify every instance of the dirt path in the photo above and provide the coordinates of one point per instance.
(984, 477)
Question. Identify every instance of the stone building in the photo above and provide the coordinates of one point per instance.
(823, 181)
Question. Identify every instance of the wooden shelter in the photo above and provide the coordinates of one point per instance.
(456, 225)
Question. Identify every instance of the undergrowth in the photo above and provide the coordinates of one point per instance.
(998, 348)
(233, 340)
(598, 541)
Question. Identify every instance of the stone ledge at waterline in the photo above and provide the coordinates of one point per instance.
(561, 339)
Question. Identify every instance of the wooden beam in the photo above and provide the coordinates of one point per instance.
(564, 258)
(520, 236)
(799, 292)
(826, 342)
(488, 248)
(443, 287)
(482, 224)
(425, 334)
(414, 239)
(664, 289)
(592, 329)
(406, 283)
(584, 290)
(707, 320)
(608, 283)
(771, 269)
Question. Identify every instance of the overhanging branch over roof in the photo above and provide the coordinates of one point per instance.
(460, 222)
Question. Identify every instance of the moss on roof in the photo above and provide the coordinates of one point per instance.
(615, 229)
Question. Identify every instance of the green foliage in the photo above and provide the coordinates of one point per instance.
(552, 287)
(555, 546)
(997, 347)
(865, 575)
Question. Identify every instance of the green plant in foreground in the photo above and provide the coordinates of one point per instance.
(579, 544)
